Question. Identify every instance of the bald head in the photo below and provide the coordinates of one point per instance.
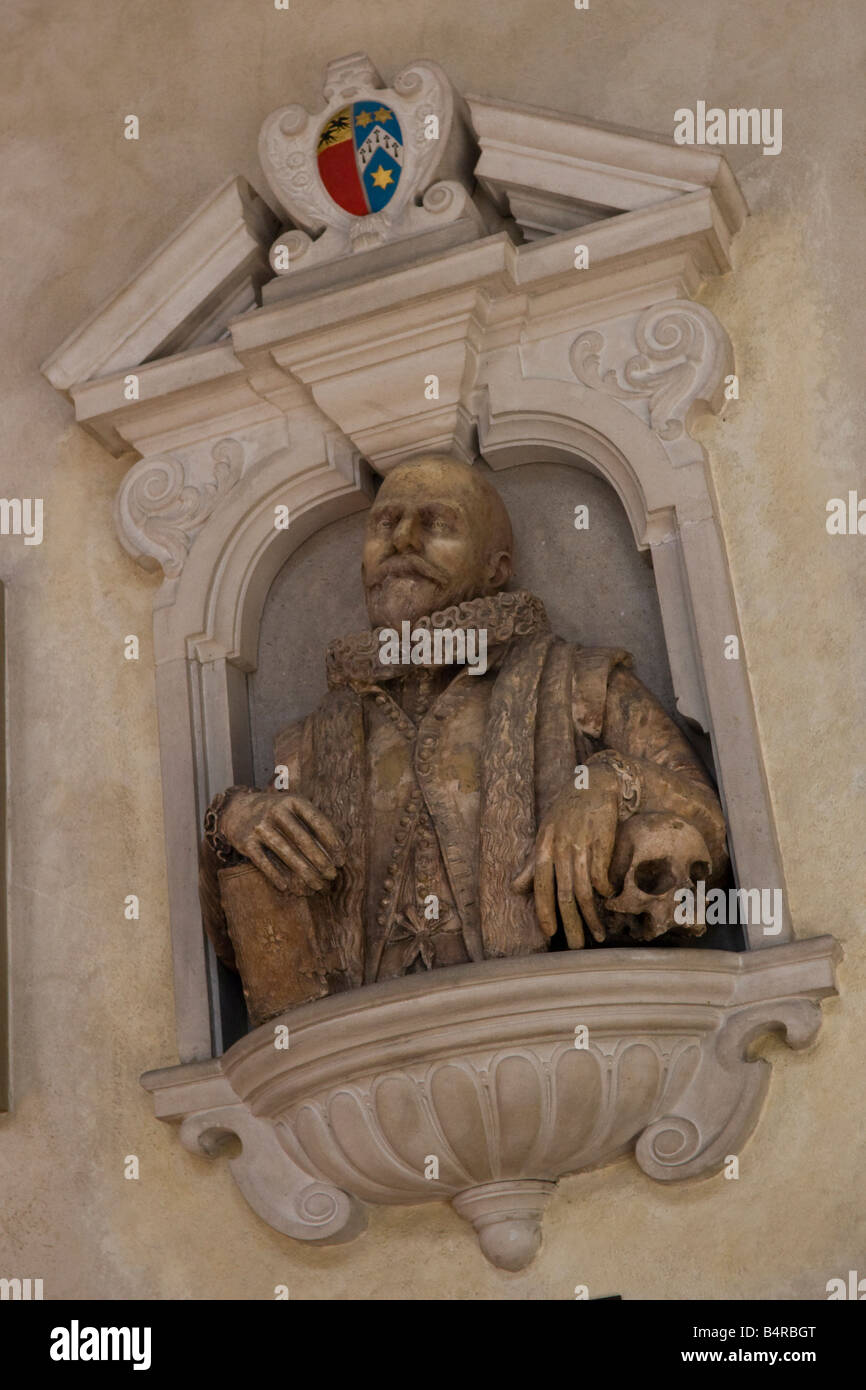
(437, 534)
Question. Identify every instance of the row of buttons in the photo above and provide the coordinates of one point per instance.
(426, 849)
(386, 903)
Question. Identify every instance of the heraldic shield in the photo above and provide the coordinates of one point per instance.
(360, 156)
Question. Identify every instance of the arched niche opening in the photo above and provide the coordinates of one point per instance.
(649, 575)
(597, 586)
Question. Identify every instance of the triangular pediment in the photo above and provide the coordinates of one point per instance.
(553, 173)
(208, 272)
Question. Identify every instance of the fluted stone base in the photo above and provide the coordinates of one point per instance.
(473, 1084)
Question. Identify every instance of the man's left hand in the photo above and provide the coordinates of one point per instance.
(573, 850)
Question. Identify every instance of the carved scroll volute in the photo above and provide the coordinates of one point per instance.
(683, 357)
(282, 1194)
(719, 1110)
(158, 513)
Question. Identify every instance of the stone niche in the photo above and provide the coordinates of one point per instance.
(274, 352)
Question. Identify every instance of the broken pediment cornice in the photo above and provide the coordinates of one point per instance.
(209, 271)
(640, 258)
(528, 153)
(498, 202)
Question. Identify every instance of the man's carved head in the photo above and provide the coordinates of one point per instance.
(437, 534)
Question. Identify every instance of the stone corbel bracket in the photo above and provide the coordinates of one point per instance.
(159, 510)
(678, 372)
(485, 1084)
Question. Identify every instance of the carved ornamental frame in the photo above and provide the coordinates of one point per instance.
(297, 403)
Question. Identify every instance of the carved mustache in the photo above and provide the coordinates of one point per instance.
(407, 567)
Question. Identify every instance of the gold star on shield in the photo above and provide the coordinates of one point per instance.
(382, 177)
(383, 114)
(364, 119)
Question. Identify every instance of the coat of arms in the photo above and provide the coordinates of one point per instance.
(375, 165)
(360, 156)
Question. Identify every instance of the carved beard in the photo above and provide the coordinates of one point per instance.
(404, 598)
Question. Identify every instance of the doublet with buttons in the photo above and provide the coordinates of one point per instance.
(415, 922)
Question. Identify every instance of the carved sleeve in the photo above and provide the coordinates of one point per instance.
(669, 772)
(656, 767)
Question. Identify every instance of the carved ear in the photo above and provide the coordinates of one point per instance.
(499, 568)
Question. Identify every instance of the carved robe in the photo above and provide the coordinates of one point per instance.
(437, 780)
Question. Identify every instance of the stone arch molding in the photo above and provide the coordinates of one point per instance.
(296, 397)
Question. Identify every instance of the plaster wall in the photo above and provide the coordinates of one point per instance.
(91, 992)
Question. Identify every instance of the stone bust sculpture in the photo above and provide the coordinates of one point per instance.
(439, 808)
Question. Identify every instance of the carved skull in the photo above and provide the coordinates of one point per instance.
(655, 855)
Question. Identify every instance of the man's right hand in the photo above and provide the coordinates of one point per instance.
(295, 833)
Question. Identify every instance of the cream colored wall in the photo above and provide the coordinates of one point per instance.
(92, 1003)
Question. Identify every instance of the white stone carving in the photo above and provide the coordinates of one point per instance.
(553, 174)
(210, 269)
(287, 150)
(483, 1069)
(158, 512)
(276, 1189)
(683, 355)
(346, 77)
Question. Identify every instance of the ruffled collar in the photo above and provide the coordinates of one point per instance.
(354, 660)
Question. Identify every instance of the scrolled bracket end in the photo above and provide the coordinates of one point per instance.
(277, 1189)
